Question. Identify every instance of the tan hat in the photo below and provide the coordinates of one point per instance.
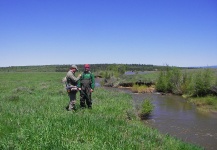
(74, 66)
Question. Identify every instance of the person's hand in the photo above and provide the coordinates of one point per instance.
(91, 90)
(79, 89)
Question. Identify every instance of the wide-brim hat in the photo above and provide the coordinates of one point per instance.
(74, 66)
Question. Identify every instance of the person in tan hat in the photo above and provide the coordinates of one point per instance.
(71, 86)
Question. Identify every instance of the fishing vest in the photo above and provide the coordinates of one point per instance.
(71, 85)
(71, 82)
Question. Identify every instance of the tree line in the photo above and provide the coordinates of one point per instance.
(121, 68)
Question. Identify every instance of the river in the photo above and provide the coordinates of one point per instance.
(173, 115)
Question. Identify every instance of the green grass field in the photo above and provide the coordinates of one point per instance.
(150, 76)
(33, 116)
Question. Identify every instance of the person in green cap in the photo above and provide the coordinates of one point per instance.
(86, 86)
(71, 86)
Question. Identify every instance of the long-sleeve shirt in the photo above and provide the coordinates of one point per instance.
(71, 79)
(86, 76)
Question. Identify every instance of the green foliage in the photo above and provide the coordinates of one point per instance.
(148, 76)
(167, 81)
(187, 85)
(33, 116)
(206, 103)
(198, 83)
(162, 83)
(191, 83)
(203, 82)
(176, 81)
(116, 70)
(147, 108)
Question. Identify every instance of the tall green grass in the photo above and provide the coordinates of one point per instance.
(33, 116)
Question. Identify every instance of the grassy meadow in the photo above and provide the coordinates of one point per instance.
(33, 116)
(150, 76)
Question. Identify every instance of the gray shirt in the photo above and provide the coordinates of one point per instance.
(71, 76)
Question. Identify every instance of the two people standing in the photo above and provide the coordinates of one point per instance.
(85, 83)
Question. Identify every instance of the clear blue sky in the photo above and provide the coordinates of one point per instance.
(159, 32)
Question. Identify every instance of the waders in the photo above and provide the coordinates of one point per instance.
(85, 94)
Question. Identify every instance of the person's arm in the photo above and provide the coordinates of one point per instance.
(79, 83)
(93, 82)
(72, 76)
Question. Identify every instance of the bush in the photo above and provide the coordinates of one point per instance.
(203, 82)
(200, 83)
(187, 85)
(170, 81)
(161, 85)
(146, 109)
(175, 81)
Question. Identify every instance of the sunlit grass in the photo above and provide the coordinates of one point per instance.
(151, 76)
(207, 103)
(142, 89)
(139, 89)
(33, 116)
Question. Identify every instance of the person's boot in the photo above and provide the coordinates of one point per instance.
(70, 106)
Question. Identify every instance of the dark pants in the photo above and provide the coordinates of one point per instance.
(85, 98)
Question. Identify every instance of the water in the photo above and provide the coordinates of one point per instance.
(138, 72)
(173, 115)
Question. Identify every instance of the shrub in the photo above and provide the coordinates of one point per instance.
(200, 83)
(187, 85)
(170, 81)
(146, 109)
(203, 82)
(161, 85)
(175, 81)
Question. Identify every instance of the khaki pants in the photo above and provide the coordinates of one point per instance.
(72, 100)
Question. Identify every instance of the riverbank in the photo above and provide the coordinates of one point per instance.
(206, 103)
(173, 115)
(33, 116)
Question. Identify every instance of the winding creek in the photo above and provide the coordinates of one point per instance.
(173, 115)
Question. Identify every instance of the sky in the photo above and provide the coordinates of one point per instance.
(179, 33)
